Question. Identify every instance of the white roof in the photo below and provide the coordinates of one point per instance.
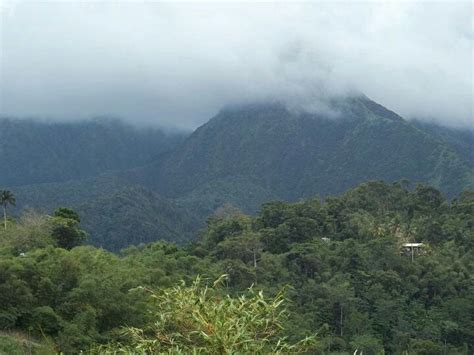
(412, 244)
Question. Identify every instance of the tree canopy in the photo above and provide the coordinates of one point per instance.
(349, 282)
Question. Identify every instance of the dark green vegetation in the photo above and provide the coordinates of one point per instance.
(460, 140)
(33, 152)
(132, 186)
(352, 284)
(114, 212)
(51, 164)
(294, 155)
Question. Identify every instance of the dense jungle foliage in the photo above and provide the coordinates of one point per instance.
(326, 276)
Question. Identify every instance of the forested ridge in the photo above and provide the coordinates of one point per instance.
(35, 152)
(292, 155)
(124, 179)
(334, 273)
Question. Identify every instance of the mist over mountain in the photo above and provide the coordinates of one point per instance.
(283, 83)
(298, 154)
(138, 185)
(179, 63)
(255, 177)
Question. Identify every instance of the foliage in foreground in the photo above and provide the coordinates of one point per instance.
(15, 343)
(198, 319)
(351, 281)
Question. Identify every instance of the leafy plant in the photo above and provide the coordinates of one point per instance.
(198, 319)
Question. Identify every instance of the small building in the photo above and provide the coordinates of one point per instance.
(412, 248)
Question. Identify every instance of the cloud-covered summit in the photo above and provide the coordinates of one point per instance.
(179, 63)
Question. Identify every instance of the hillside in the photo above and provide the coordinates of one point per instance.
(135, 185)
(461, 140)
(294, 155)
(114, 213)
(34, 152)
(338, 266)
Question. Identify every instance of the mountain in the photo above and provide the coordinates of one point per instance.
(51, 164)
(461, 140)
(291, 155)
(34, 152)
(135, 185)
(113, 212)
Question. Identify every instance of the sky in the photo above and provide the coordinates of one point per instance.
(178, 63)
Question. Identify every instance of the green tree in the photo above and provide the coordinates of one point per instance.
(6, 198)
(66, 229)
(64, 212)
(246, 248)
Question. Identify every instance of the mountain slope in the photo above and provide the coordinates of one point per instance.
(461, 140)
(164, 187)
(113, 212)
(294, 155)
(38, 152)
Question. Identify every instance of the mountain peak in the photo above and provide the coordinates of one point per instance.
(292, 154)
(255, 107)
(354, 107)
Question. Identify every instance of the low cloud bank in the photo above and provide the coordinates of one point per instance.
(178, 63)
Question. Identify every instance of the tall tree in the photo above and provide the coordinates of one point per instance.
(66, 229)
(6, 198)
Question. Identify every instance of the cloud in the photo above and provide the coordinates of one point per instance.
(178, 63)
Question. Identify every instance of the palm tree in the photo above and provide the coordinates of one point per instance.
(6, 198)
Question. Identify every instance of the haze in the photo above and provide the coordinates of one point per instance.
(177, 64)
